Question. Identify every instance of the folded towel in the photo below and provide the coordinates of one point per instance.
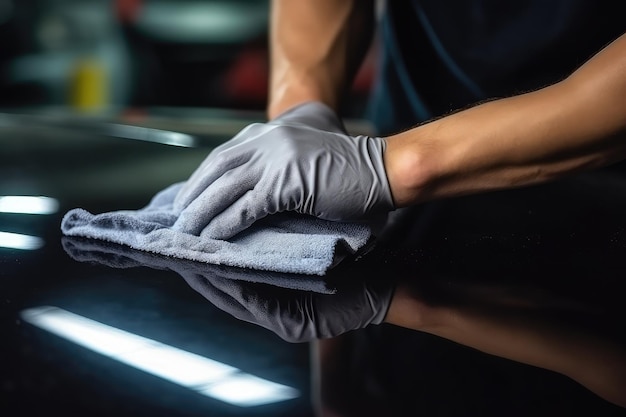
(285, 242)
(122, 257)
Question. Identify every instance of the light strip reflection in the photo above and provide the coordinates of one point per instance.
(19, 241)
(205, 376)
(28, 204)
(149, 134)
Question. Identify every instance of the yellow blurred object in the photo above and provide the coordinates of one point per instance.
(88, 86)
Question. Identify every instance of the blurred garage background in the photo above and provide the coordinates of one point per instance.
(132, 57)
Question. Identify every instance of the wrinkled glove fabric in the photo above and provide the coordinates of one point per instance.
(293, 195)
(301, 161)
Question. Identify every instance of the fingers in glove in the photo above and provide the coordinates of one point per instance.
(222, 193)
(241, 214)
(225, 157)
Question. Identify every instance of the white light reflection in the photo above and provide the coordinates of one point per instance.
(245, 390)
(151, 135)
(19, 241)
(28, 204)
(203, 375)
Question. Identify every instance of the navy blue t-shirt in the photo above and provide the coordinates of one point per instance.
(442, 55)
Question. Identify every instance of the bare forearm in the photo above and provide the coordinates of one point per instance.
(316, 47)
(578, 123)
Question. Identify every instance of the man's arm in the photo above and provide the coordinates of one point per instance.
(316, 48)
(578, 123)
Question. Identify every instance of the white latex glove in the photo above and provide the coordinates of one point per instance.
(302, 161)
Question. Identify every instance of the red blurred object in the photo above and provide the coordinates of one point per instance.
(365, 76)
(246, 81)
(127, 10)
(134, 115)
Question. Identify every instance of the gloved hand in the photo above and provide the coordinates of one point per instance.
(302, 161)
(294, 315)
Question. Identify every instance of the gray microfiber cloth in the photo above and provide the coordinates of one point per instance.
(113, 255)
(285, 242)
